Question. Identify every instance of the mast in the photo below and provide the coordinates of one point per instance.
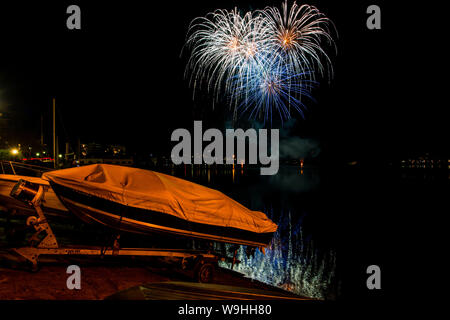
(55, 156)
(42, 130)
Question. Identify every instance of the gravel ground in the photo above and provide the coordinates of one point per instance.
(100, 279)
(49, 283)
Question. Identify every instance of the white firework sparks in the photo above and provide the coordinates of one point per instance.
(297, 35)
(229, 51)
(225, 45)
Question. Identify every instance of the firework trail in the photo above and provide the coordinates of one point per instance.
(262, 62)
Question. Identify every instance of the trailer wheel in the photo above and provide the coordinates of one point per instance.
(204, 272)
(34, 267)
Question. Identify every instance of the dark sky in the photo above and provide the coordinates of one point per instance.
(120, 79)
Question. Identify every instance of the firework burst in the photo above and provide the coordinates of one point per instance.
(274, 89)
(297, 34)
(263, 62)
(225, 45)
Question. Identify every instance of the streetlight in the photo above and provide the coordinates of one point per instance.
(14, 151)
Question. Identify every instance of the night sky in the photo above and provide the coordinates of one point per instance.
(120, 79)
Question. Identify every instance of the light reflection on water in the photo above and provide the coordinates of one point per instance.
(293, 261)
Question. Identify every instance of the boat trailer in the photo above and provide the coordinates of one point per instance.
(201, 262)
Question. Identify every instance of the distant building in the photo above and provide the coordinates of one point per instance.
(425, 162)
(99, 153)
(97, 150)
(120, 162)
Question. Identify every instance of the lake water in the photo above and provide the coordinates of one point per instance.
(334, 222)
(296, 260)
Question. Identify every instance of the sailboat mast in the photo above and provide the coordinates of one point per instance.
(55, 157)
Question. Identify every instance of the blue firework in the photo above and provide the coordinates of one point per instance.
(272, 88)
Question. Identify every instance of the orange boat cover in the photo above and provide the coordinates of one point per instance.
(163, 193)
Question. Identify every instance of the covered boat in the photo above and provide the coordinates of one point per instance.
(144, 201)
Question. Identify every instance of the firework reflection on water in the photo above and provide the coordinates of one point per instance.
(292, 262)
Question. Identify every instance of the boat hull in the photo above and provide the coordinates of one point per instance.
(93, 209)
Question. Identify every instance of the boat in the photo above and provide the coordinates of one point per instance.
(51, 204)
(144, 201)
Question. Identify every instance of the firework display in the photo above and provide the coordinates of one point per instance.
(261, 62)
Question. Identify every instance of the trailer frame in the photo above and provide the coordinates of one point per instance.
(201, 262)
